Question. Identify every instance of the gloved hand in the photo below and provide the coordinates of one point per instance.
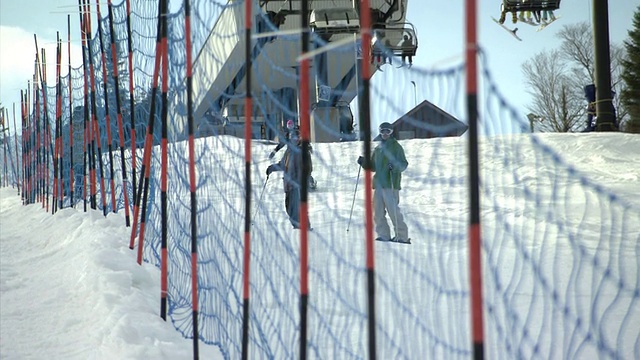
(360, 160)
(270, 169)
(272, 154)
(390, 167)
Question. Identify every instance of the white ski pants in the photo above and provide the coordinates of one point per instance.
(386, 201)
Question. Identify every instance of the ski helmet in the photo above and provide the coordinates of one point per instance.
(290, 124)
(385, 128)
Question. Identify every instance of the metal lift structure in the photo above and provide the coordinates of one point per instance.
(219, 69)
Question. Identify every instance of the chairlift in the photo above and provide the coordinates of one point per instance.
(399, 39)
(530, 7)
(334, 21)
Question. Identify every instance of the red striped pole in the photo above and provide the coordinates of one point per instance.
(39, 187)
(25, 147)
(30, 138)
(71, 170)
(94, 129)
(31, 101)
(57, 167)
(304, 179)
(9, 159)
(148, 147)
(5, 179)
(46, 132)
(132, 112)
(56, 143)
(475, 242)
(365, 123)
(14, 162)
(15, 139)
(86, 162)
(39, 179)
(116, 81)
(192, 182)
(248, 107)
(107, 116)
(60, 141)
(31, 119)
(26, 165)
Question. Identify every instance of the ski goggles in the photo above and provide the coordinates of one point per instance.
(386, 131)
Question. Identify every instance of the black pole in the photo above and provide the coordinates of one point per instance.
(164, 162)
(71, 170)
(247, 168)
(604, 101)
(192, 182)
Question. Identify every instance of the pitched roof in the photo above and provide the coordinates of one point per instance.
(432, 115)
(426, 120)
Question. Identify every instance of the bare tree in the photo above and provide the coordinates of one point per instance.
(556, 107)
(556, 79)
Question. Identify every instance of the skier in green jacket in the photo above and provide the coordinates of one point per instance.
(388, 161)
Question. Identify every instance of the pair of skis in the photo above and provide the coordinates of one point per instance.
(408, 242)
(514, 31)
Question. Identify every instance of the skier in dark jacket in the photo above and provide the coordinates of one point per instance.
(287, 135)
(388, 161)
(291, 128)
(291, 164)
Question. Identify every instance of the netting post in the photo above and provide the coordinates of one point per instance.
(192, 181)
(15, 140)
(164, 164)
(116, 82)
(107, 116)
(143, 190)
(85, 142)
(304, 179)
(475, 249)
(248, 107)
(94, 129)
(365, 123)
(132, 108)
(71, 170)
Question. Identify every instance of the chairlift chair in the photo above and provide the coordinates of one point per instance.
(392, 39)
(334, 21)
(531, 5)
(535, 7)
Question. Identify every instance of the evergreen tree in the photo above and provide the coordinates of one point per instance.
(631, 76)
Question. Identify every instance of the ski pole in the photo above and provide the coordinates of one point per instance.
(259, 200)
(354, 197)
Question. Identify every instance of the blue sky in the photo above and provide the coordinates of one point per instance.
(439, 24)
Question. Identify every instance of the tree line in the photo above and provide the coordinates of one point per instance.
(557, 77)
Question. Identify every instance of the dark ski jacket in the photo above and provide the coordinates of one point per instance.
(291, 164)
(388, 152)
